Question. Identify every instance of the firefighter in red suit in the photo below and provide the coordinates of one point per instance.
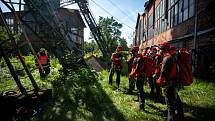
(44, 61)
(167, 80)
(155, 88)
(116, 59)
(130, 66)
(138, 73)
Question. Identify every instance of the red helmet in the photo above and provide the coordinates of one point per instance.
(134, 49)
(154, 49)
(119, 47)
(164, 46)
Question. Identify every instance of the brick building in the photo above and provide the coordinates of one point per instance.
(70, 18)
(178, 22)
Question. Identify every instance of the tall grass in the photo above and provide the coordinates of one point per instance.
(83, 95)
(198, 99)
(7, 83)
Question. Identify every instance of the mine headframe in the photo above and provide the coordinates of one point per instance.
(95, 29)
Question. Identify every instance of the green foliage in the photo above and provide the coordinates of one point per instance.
(110, 26)
(111, 31)
(78, 96)
(2, 63)
(30, 61)
(18, 66)
(5, 37)
(122, 41)
(3, 34)
(17, 36)
(110, 39)
(127, 105)
(84, 95)
(198, 99)
(90, 47)
(7, 83)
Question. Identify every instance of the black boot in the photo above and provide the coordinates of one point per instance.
(110, 80)
(141, 107)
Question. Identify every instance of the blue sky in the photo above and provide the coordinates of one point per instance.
(124, 11)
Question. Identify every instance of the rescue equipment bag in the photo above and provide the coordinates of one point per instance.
(149, 66)
(184, 67)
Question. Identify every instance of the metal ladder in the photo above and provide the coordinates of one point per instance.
(18, 53)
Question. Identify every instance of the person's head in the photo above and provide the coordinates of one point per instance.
(42, 51)
(164, 47)
(153, 50)
(146, 51)
(134, 50)
(118, 48)
(172, 50)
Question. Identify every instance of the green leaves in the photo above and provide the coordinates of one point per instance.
(3, 34)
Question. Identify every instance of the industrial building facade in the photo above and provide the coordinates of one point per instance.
(183, 23)
(70, 18)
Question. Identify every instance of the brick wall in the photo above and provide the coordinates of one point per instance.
(205, 21)
(181, 35)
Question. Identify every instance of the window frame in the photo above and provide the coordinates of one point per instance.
(159, 21)
(181, 16)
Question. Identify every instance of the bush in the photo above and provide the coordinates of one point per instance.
(30, 61)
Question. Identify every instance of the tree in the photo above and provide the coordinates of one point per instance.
(122, 41)
(111, 31)
(5, 39)
(90, 47)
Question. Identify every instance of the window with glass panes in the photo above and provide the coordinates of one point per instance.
(150, 26)
(179, 11)
(10, 22)
(140, 29)
(159, 20)
(145, 28)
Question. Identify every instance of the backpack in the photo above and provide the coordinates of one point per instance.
(184, 67)
(148, 66)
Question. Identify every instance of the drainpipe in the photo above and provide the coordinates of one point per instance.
(135, 37)
(195, 43)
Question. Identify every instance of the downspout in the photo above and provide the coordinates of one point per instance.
(195, 43)
(135, 37)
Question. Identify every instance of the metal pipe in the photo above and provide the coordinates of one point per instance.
(195, 54)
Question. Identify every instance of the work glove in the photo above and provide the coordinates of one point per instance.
(161, 81)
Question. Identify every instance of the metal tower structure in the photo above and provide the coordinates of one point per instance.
(43, 13)
(95, 29)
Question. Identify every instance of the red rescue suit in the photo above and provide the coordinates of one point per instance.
(138, 68)
(117, 61)
(44, 60)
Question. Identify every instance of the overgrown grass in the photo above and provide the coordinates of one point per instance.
(128, 105)
(80, 96)
(7, 83)
(83, 95)
(198, 99)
